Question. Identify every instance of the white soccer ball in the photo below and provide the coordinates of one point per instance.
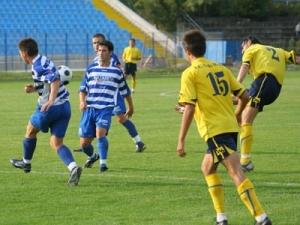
(65, 74)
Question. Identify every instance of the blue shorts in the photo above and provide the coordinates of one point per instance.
(94, 118)
(222, 145)
(56, 118)
(120, 108)
(263, 91)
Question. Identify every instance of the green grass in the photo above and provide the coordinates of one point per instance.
(155, 187)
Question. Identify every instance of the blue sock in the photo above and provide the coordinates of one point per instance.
(29, 145)
(103, 147)
(130, 128)
(88, 150)
(65, 155)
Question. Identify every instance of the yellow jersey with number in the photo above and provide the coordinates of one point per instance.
(131, 55)
(209, 86)
(267, 59)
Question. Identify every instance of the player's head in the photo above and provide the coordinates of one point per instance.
(250, 40)
(97, 38)
(194, 43)
(131, 42)
(28, 49)
(104, 52)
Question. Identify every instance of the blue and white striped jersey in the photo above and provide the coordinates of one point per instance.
(43, 74)
(102, 84)
(114, 60)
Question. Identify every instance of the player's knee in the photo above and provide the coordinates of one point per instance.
(31, 131)
(56, 142)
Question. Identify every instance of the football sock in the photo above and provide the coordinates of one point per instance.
(103, 147)
(133, 82)
(246, 139)
(137, 139)
(29, 145)
(65, 155)
(248, 196)
(88, 150)
(130, 128)
(216, 190)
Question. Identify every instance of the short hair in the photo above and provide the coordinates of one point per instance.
(195, 42)
(253, 40)
(108, 44)
(132, 39)
(99, 35)
(30, 46)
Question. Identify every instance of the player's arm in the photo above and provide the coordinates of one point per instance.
(243, 72)
(186, 121)
(54, 86)
(29, 88)
(82, 94)
(130, 108)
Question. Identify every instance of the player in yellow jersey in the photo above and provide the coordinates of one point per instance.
(131, 55)
(267, 65)
(205, 94)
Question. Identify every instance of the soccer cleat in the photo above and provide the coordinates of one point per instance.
(103, 168)
(140, 146)
(266, 221)
(21, 165)
(248, 167)
(224, 222)
(77, 150)
(74, 176)
(89, 163)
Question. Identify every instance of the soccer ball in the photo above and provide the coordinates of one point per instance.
(65, 74)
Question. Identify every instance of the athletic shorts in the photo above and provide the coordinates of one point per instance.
(263, 91)
(120, 107)
(222, 145)
(56, 119)
(94, 118)
(130, 68)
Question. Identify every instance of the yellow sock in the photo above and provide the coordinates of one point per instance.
(216, 190)
(246, 139)
(248, 196)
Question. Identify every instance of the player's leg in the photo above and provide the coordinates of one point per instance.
(245, 189)
(133, 82)
(246, 137)
(60, 117)
(103, 122)
(29, 145)
(215, 187)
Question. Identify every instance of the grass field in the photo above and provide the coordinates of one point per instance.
(152, 188)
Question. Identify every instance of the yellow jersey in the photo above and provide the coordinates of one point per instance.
(131, 55)
(209, 86)
(267, 59)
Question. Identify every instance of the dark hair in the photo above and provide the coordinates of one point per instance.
(29, 46)
(108, 44)
(97, 35)
(253, 40)
(195, 42)
(132, 39)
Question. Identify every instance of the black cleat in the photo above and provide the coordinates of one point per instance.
(247, 167)
(75, 176)
(266, 221)
(224, 222)
(89, 163)
(140, 146)
(21, 165)
(103, 168)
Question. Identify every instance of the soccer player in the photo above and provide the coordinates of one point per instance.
(120, 108)
(131, 55)
(205, 94)
(98, 92)
(52, 112)
(267, 65)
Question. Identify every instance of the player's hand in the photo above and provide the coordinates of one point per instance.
(179, 108)
(180, 150)
(82, 106)
(29, 88)
(46, 106)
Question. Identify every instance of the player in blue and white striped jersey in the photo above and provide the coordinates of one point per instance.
(98, 96)
(52, 112)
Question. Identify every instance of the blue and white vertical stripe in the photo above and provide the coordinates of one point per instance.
(43, 74)
(101, 85)
(114, 60)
